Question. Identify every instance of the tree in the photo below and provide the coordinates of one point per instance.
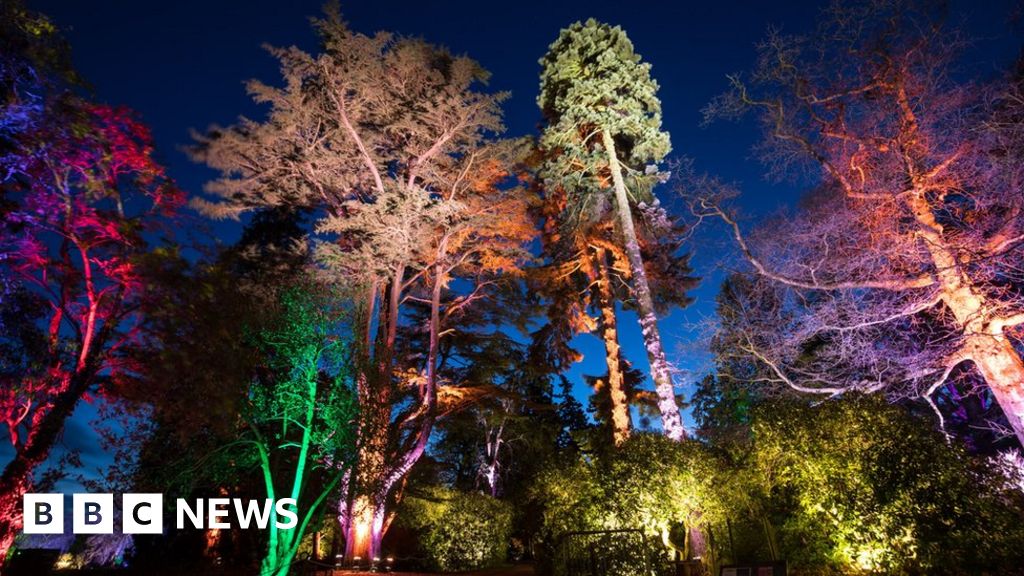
(207, 357)
(899, 271)
(85, 194)
(579, 276)
(388, 140)
(604, 127)
(300, 417)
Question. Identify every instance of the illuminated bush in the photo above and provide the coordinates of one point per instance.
(650, 483)
(459, 530)
(851, 486)
(859, 486)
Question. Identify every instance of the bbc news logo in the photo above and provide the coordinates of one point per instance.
(144, 513)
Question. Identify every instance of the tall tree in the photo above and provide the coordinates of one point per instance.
(388, 139)
(901, 269)
(604, 129)
(84, 193)
(581, 274)
(300, 417)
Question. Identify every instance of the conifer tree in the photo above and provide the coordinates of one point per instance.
(390, 142)
(602, 145)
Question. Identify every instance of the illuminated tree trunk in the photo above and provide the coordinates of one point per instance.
(365, 531)
(365, 519)
(362, 518)
(492, 450)
(671, 423)
(992, 352)
(1001, 366)
(619, 407)
(16, 479)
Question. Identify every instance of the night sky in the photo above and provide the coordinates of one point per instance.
(181, 65)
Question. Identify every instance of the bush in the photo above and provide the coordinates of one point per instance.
(459, 530)
(650, 483)
(851, 486)
(861, 486)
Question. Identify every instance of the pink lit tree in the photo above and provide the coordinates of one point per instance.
(84, 194)
(902, 270)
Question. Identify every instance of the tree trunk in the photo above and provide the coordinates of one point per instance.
(992, 352)
(11, 513)
(365, 529)
(375, 475)
(1001, 366)
(368, 489)
(16, 479)
(618, 404)
(367, 484)
(671, 423)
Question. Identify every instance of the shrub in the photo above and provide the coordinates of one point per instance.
(851, 486)
(861, 486)
(650, 483)
(459, 530)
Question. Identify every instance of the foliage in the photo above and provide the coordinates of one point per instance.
(861, 486)
(593, 80)
(300, 414)
(276, 420)
(35, 65)
(850, 486)
(649, 482)
(459, 530)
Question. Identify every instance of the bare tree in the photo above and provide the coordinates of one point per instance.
(902, 269)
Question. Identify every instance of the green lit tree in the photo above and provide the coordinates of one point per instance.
(299, 418)
(602, 145)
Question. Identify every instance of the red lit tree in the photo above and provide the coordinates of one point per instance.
(82, 195)
(902, 269)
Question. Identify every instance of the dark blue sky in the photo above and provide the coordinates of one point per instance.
(181, 65)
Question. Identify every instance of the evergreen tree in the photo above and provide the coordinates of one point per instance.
(602, 145)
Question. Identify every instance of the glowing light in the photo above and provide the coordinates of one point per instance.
(362, 527)
(67, 561)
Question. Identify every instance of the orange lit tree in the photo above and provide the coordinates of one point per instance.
(388, 139)
(901, 271)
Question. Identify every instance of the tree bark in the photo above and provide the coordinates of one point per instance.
(671, 422)
(368, 489)
(364, 512)
(1001, 367)
(618, 404)
(976, 316)
(365, 529)
(16, 479)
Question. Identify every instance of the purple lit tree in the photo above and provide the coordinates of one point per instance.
(902, 269)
